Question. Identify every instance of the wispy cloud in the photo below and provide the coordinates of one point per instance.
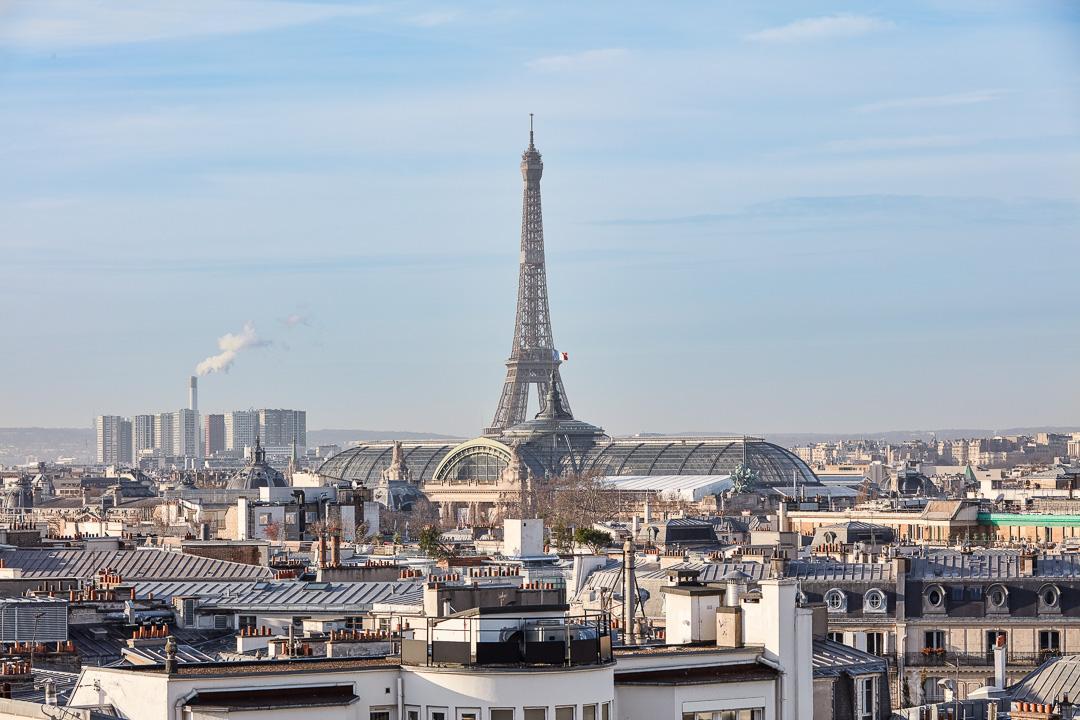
(230, 345)
(974, 97)
(822, 28)
(81, 23)
(577, 61)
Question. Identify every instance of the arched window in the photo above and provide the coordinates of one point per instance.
(874, 601)
(836, 600)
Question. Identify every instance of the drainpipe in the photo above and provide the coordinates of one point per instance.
(400, 697)
(779, 687)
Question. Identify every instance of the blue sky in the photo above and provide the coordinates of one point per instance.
(760, 217)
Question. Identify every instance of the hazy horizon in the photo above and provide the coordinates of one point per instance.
(757, 217)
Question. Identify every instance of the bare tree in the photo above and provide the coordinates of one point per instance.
(574, 500)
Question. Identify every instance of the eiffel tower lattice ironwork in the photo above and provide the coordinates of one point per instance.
(533, 360)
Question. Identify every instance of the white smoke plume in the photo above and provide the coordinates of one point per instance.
(230, 345)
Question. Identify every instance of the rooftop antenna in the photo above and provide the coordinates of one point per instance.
(530, 130)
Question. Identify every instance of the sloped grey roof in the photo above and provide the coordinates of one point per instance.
(131, 565)
(832, 659)
(168, 589)
(344, 597)
(990, 565)
(1050, 681)
(832, 570)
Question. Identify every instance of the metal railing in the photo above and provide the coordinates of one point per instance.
(497, 640)
(980, 659)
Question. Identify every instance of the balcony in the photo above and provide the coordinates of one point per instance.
(936, 658)
(473, 638)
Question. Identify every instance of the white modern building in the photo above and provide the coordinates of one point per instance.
(529, 662)
(241, 427)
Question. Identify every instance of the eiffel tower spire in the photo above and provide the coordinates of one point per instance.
(533, 360)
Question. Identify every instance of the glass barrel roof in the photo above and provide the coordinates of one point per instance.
(773, 465)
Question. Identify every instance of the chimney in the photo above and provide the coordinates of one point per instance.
(50, 692)
(335, 550)
(322, 549)
(1000, 658)
(781, 517)
(629, 593)
(193, 394)
(170, 653)
(1028, 563)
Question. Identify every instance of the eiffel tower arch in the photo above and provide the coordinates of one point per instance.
(533, 358)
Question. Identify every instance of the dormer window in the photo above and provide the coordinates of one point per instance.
(874, 601)
(934, 599)
(997, 599)
(836, 600)
(1049, 599)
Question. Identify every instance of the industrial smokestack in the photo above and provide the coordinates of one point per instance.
(193, 394)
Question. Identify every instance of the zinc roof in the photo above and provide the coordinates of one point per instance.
(148, 564)
(343, 597)
(1049, 682)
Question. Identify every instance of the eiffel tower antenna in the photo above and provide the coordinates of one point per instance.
(533, 359)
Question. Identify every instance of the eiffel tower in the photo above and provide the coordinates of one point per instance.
(533, 359)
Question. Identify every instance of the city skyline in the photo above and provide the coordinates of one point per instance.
(879, 266)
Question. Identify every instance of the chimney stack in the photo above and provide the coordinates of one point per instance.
(1000, 657)
(193, 394)
(629, 593)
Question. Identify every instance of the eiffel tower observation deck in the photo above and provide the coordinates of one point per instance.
(534, 360)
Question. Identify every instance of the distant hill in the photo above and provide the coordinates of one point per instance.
(18, 445)
(893, 436)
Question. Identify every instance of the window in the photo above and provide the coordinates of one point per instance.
(1049, 641)
(1049, 597)
(588, 712)
(413, 713)
(866, 698)
(837, 637)
(535, 713)
(265, 518)
(874, 601)
(934, 639)
(436, 713)
(605, 711)
(997, 598)
(380, 714)
(836, 600)
(743, 714)
(875, 643)
(564, 712)
(935, 597)
(247, 621)
(932, 690)
(468, 714)
(221, 622)
(502, 714)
